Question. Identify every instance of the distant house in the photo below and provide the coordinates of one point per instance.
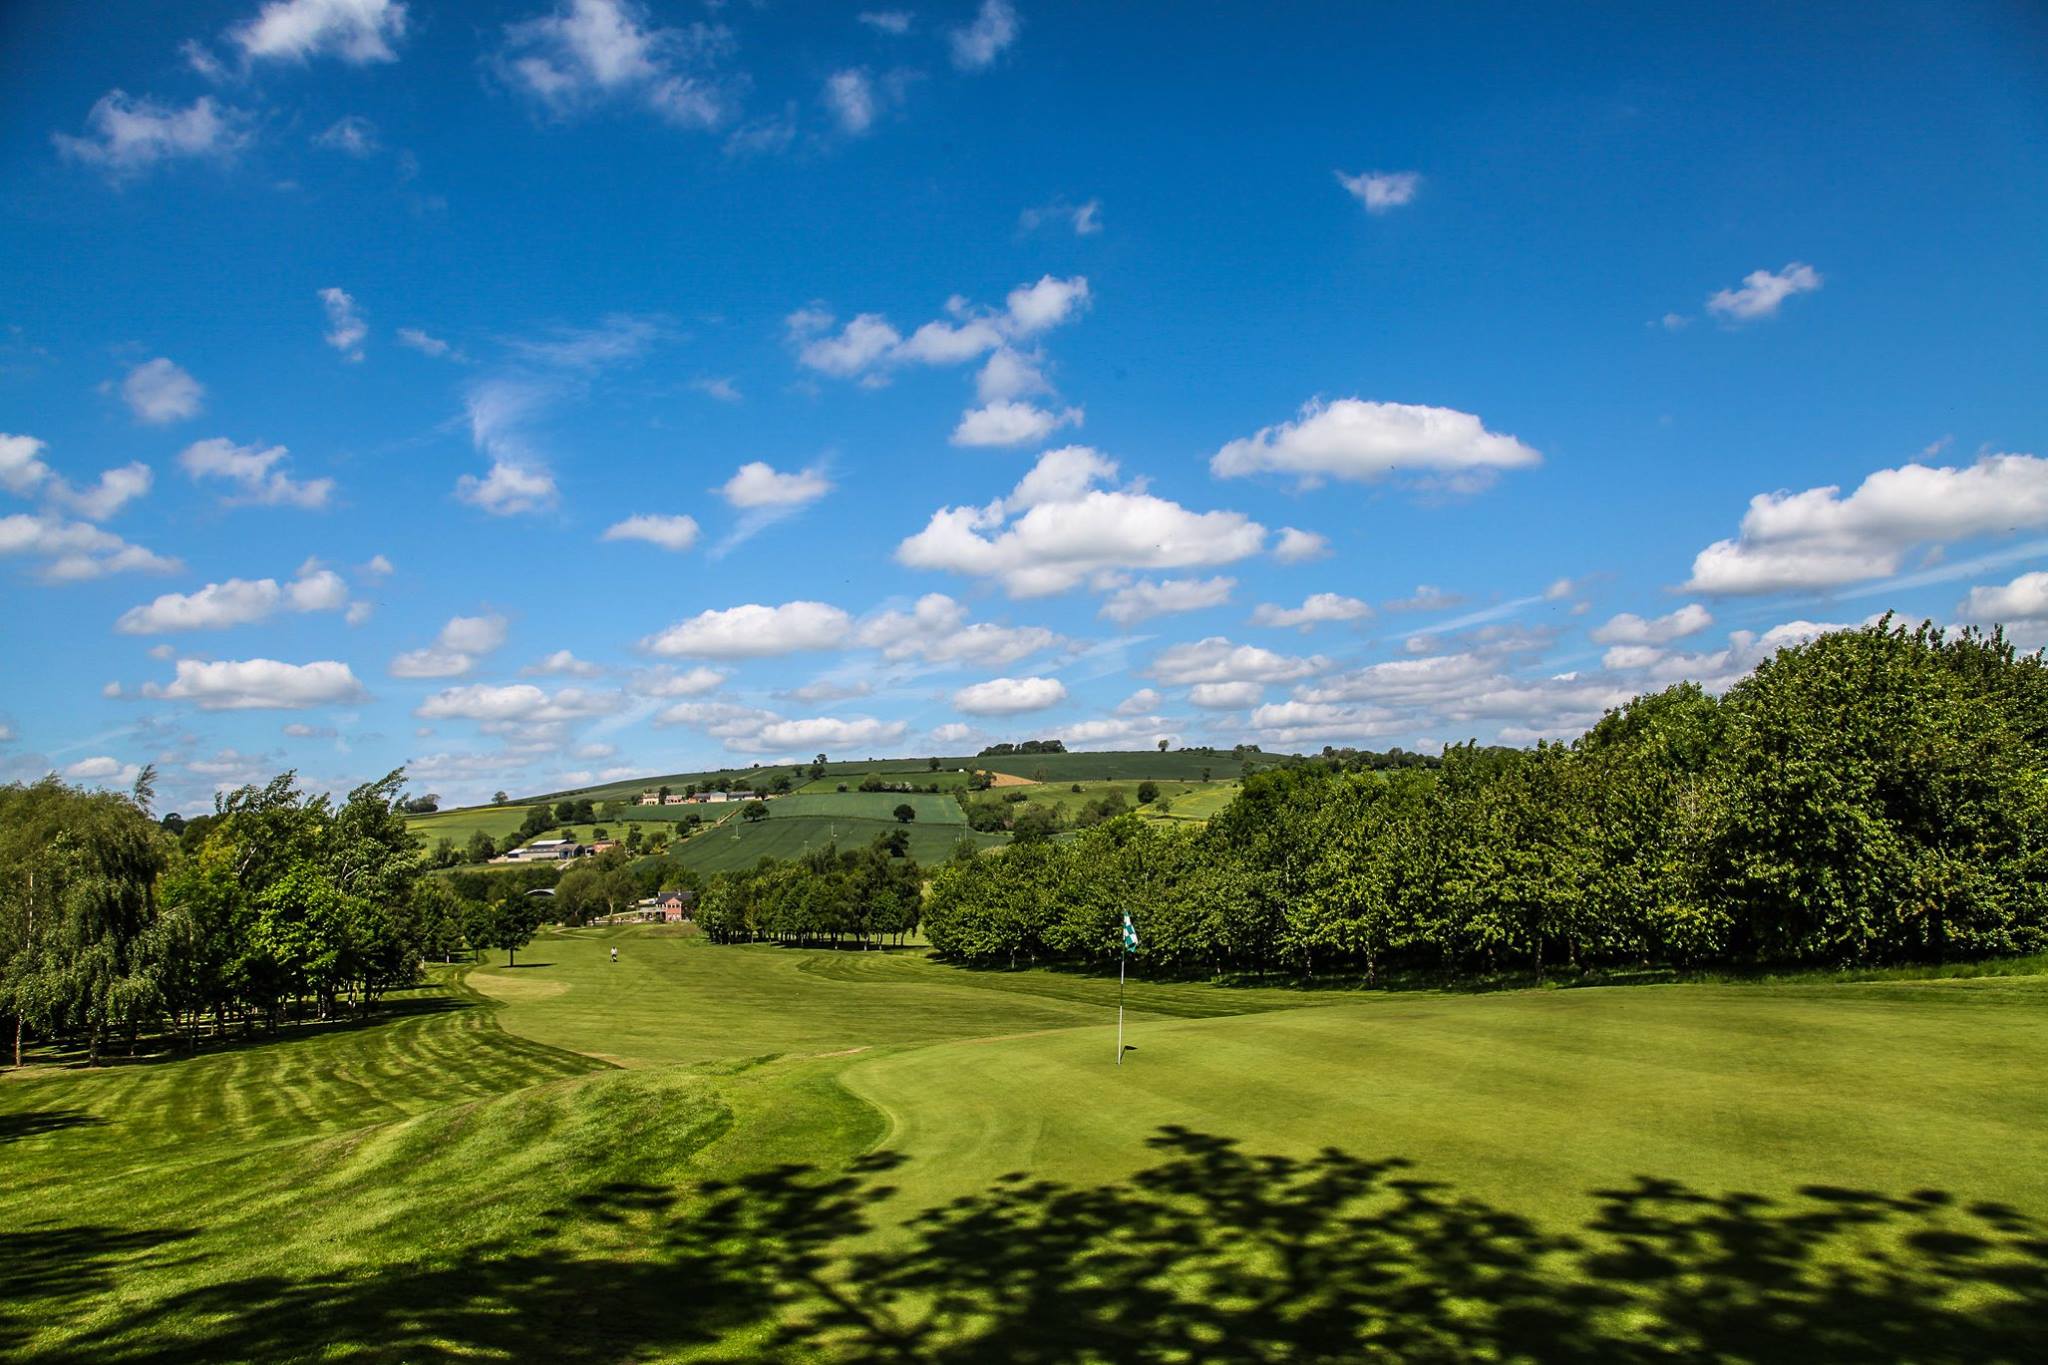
(602, 846)
(541, 850)
(648, 799)
(675, 905)
(674, 799)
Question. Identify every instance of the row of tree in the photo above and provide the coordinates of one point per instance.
(277, 904)
(832, 896)
(1875, 796)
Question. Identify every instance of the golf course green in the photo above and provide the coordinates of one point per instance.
(737, 1153)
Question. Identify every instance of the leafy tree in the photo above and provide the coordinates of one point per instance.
(754, 811)
(498, 798)
(1148, 792)
(905, 813)
(481, 847)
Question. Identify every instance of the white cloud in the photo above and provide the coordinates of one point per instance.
(1630, 629)
(258, 684)
(590, 52)
(1292, 724)
(1009, 374)
(351, 135)
(1217, 660)
(415, 339)
(894, 22)
(345, 326)
(952, 732)
(1314, 610)
(378, 567)
(1069, 531)
(1084, 219)
(2023, 599)
(851, 99)
(950, 343)
(759, 485)
(691, 682)
(563, 664)
(1009, 696)
(109, 772)
(455, 651)
(236, 602)
(617, 338)
(359, 613)
(669, 532)
(254, 469)
(508, 489)
(1381, 191)
(74, 551)
(22, 470)
(356, 31)
(1142, 600)
(753, 631)
(723, 389)
(1226, 696)
(978, 44)
(1820, 539)
(1631, 656)
(1142, 702)
(1762, 292)
(131, 136)
(1427, 597)
(1047, 304)
(1009, 423)
(1357, 439)
(1402, 680)
(515, 706)
(1298, 547)
(827, 732)
(936, 631)
(158, 391)
(116, 489)
(856, 346)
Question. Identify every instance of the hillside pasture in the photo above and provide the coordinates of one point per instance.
(740, 844)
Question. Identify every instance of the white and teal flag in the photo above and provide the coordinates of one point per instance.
(1130, 934)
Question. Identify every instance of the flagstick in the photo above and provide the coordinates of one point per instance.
(1121, 959)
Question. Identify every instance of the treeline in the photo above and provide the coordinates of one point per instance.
(831, 896)
(1875, 796)
(276, 905)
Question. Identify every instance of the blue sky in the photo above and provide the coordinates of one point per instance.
(534, 393)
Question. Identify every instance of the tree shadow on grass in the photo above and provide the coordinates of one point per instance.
(1211, 1254)
(28, 1123)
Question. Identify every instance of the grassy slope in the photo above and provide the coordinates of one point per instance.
(465, 1180)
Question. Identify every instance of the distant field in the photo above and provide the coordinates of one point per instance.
(1120, 765)
(931, 810)
(1189, 800)
(739, 845)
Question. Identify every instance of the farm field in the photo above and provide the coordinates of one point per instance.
(729, 1153)
(1189, 800)
(739, 844)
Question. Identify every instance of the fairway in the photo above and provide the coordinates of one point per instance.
(545, 1153)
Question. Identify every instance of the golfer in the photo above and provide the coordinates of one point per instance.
(615, 957)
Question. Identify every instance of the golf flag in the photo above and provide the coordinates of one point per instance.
(1130, 934)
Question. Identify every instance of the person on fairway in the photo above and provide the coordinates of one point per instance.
(615, 957)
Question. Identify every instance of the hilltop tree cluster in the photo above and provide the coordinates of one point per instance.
(1875, 796)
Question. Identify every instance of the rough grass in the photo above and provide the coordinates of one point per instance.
(756, 1153)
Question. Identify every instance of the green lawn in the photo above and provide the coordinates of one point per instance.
(739, 844)
(755, 1153)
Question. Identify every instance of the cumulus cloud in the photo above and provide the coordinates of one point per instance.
(345, 326)
(1630, 629)
(752, 730)
(1217, 660)
(1298, 547)
(1381, 191)
(115, 489)
(869, 345)
(508, 490)
(102, 770)
(1142, 600)
(158, 391)
(588, 53)
(753, 631)
(255, 471)
(668, 682)
(356, 31)
(669, 532)
(563, 664)
(1360, 440)
(2022, 603)
(1313, 611)
(75, 551)
(1821, 539)
(258, 684)
(351, 135)
(1009, 696)
(1226, 696)
(1058, 530)
(977, 45)
(1009, 423)
(236, 602)
(129, 137)
(462, 642)
(936, 631)
(512, 706)
(1142, 702)
(1763, 292)
(894, 22)
(759, 485)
